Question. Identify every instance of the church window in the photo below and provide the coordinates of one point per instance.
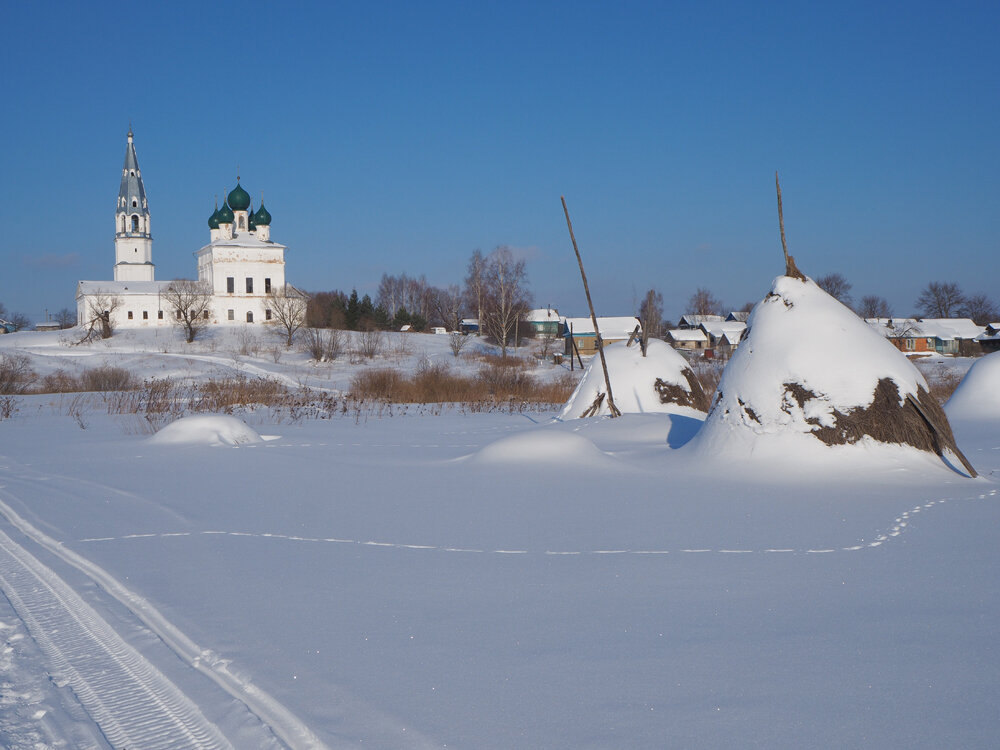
(204, 314)
(145, 314)
(249, 317)
(159, 314)
(178, 315)
(241, 223)
(249, 285)
(135, 223)
(267, 286)
(132, 173)
(134, 203)
(230, 284)
(124, 229)
(130, 315)
(232, 315)
(267, 314)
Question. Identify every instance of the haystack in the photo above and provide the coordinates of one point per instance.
(977, 397)
(662, 381)
(809, 366)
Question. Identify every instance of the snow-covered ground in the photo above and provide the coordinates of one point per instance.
(480, 580)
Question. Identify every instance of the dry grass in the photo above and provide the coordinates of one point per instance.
(941, 381)
(501, 381)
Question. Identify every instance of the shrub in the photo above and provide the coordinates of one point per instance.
(15, 373)
(323, 345)
(107, 378)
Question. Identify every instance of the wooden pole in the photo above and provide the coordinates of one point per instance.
(593, 317)
(790, 268)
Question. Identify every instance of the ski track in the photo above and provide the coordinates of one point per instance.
(23, 591)
(899, 525)
(131, 701)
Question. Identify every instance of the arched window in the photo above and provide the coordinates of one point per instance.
(135, 223)
(135, 203)
(241, 223)
(249, 317)
(123, 226)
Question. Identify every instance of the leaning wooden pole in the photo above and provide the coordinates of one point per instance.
(790, 268)
(593, 316)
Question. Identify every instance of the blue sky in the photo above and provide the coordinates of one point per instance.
(400, 137)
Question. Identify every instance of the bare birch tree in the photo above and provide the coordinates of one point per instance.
(474, 284)
(505, 297)
(101, 308)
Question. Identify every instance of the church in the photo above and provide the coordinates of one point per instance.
(240, 267)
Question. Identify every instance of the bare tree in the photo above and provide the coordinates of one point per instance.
(66, 318)
(15, 373)
(20, 321)
(370, 342)
(873, 306)
(651, 315)
(474, 284)
(189, 301)
(505, 297)
(101, 307)
(288, 310)
(447, 306)
(940, 299)
(981, 309)
(703, 302)
(323, 344)
(837, 287)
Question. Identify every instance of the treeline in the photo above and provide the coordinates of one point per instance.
(495, 292)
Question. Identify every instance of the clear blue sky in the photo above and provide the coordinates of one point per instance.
(392, 137)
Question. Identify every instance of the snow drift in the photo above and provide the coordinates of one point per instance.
(978, 395)
(661, 381)
(545, 447)
(810, 368)
(214, 429)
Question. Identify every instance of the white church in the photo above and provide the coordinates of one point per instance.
(240, 265)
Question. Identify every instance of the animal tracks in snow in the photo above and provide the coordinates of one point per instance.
(899, 525)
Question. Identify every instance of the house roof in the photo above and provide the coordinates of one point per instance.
(687, 334)
(610, 327)
(740, 315)
(719, 328)
(542, 315)
(690, 319)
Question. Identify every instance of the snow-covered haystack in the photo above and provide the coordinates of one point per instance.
(978, 395)
(215, 429)
(810, 370)
(662, 381)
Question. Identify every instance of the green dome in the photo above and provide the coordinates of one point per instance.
(239, 199)
(213, 220)
(250, 224)
(225, 215)
(262, 218)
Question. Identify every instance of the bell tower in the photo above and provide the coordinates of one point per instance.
(133, 238)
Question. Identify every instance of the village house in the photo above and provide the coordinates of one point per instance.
(989, 339)
(580, 331)
(544, 322)
(691, 339)
(956, 336)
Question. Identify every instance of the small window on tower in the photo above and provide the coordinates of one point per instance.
(134, 203)
(241, 223)
(135, 223)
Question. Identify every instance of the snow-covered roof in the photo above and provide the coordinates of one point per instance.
(719, 328)
(619, 327)
(946, 329)
(740, 315)
(123, 288)
(687, 334)
(992, 333)
(542, 315)
(693, 320)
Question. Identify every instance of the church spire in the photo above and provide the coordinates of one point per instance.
(133, 235)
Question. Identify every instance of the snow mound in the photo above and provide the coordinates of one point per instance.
(809, 368)
(215, 429)
(978, 395)
(661, 382)
(546, 447)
